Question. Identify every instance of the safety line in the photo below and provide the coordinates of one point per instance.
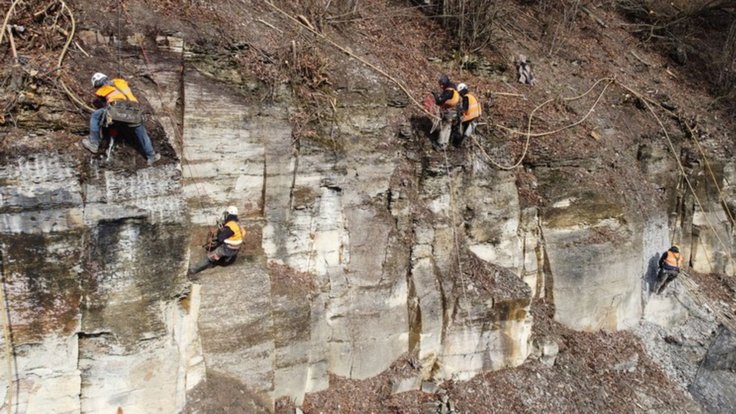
(452, 222)
(6, 333)
(682, 170)
(529, 134)
(177, 130)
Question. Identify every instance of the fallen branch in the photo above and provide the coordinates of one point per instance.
(80, 49)
(71, 33)
(7, 17)
(520, 95)
(640, 59)
(594, 17)
(269, 25)
(45, 9)
(74, 97)
(12, 45)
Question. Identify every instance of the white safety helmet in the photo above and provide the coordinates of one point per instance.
(462, 87)
(232, 210)
(98, 79)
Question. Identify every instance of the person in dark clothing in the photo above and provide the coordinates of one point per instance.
(448, 101)
(669, 267)
(226, 244)
(449, 97)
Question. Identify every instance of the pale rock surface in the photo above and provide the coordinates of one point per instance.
(493, 229)
(596, 282)
(716, 377)
(676, 333)
(235, 324)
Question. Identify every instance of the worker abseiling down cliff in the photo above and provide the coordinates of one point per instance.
(447, 100)
(223, 249)
(469, 111)
(669, 268)
(116, 105)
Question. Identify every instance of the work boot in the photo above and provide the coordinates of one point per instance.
(93, 148)
(194, 269)
(153, 158)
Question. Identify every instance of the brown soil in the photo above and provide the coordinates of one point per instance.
(592, 373)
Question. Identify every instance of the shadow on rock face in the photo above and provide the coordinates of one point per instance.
(421, 125)
(650, 277)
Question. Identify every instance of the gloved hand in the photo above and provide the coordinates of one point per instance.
(211, 245)
(436, 98)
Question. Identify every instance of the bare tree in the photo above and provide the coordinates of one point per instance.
(471, 21)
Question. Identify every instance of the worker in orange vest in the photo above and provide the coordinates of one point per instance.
(108, 91)
(469, 112)
(224, 248)
(669, 267)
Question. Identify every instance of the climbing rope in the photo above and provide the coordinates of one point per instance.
(119, 40)
(451, 215)
(179, 136)
(6, 334)
(529, 134)
(681, 168)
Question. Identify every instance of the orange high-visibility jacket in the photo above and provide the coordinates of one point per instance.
(672, 259)
(473, 111)
(121, 91)
(236, 239)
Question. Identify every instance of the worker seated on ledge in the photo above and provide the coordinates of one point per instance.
(109, 92)
(224, 247)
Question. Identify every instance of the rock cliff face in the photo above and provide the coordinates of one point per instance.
(356, 254)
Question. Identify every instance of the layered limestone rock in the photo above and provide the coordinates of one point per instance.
(596, 279)
(344, 215)
(467, 317)
(94, 311)
(712, 231)
(701, 223)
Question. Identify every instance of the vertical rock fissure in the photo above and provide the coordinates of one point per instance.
(296, 151)
(414, 309)
(545, 270)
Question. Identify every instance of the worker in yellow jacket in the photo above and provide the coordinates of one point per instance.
(108, 91)
(224, 248)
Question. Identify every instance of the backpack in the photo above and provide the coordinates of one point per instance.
(125, 111)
